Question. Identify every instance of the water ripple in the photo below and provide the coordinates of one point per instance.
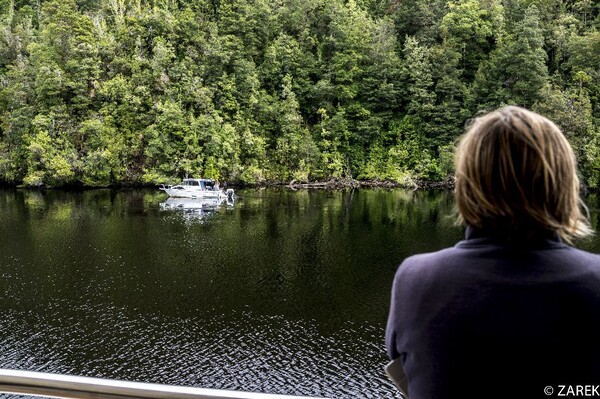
(241, 350)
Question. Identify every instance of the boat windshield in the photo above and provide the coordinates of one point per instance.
(190, 183)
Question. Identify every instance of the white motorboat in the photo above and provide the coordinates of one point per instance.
(198, 188)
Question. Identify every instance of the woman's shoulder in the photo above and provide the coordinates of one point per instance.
(428, 258)
(439, 258)
(465, 265)
(429, 264)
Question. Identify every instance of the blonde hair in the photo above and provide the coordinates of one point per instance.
(516, 175)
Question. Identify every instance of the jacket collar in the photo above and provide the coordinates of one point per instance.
(541, 239)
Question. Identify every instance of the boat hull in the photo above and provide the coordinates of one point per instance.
(186, 193)
(198, 189)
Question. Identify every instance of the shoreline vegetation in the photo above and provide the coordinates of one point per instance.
(330, 184)
(351, 183)
(309, 93)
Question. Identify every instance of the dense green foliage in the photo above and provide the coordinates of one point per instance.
(100, 92)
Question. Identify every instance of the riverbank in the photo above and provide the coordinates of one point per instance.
(331, 184)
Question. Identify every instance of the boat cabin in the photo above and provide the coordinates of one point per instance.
(203, 184)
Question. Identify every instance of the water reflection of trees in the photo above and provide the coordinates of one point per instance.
(338, 246)
(102, 265)
(307, 247)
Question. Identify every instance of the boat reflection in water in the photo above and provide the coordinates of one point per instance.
(196, 208)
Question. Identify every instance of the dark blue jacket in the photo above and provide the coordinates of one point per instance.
(489, 319)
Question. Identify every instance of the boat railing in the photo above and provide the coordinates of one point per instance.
(35, 383)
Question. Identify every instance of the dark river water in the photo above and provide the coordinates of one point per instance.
(283, 292)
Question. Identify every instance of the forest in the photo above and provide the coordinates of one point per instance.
(140, 92)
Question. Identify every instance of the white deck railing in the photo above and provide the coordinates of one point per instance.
(74, 387)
